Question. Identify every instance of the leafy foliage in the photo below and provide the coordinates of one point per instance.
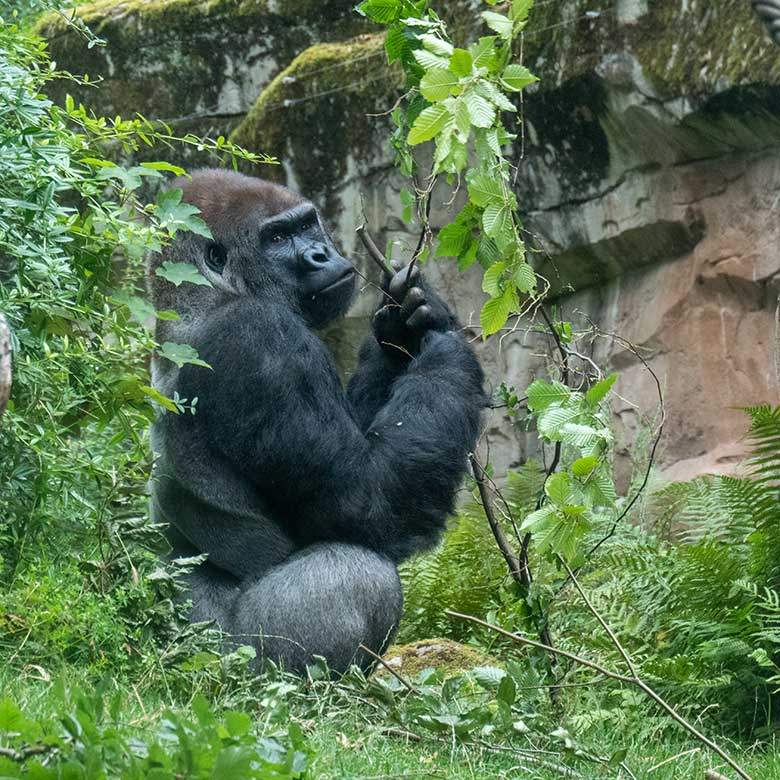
(456, 98)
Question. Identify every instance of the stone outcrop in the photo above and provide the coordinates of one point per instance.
(649, 176)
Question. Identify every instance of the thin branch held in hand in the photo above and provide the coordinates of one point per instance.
(373, 250)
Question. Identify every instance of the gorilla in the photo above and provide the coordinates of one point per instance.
(303, 496)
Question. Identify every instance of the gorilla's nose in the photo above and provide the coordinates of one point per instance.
(316, 254)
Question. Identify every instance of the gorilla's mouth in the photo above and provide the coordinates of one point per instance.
(344, 277)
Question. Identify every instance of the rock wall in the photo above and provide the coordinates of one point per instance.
(649, 182)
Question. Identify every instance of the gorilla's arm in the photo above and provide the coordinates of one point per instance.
(370, 387)
(274, 407)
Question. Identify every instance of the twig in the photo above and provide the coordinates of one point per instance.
(409, 687)
(24, 753)
(373, 250)
(632, 679)
(5, 364)
(524, 640)
(640, 683)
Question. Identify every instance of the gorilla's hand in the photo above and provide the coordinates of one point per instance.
(409, 310)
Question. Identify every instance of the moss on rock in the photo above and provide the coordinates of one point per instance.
(313, 115)
(442, 654)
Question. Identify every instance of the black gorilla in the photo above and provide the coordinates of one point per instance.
(303, 496)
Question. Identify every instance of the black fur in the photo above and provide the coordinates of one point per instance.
(303, 496)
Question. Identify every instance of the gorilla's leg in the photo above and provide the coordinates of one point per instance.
(325, 600)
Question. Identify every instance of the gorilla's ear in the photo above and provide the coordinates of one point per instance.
(216, 257)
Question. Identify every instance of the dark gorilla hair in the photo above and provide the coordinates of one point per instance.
(304, 496)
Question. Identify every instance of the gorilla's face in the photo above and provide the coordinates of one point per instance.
(298, 250)
(288, 254)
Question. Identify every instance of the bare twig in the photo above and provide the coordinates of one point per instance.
(409, 687)
(632, 679)
(373, 250)
(524, 640)
(5, 364)
(24, 753)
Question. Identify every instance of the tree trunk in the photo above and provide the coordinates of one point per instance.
(5, 364)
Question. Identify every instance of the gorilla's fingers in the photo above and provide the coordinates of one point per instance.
(403, 281)
(413, 300)
(421, 319)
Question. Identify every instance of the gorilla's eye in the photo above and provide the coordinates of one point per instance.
(277, 238)
(216, 257)
(307, 226)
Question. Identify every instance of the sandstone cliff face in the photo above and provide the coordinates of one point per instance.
(649, 176)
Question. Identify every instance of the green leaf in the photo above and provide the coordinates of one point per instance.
(159, 398)
(542, 394)
(485, 189)
(437, 84)
(491, 281)
(467, 258)
(238, 723)
(461, 63)
(430, 60)
(481, 113)
(430, 122)
(11, 718)
(584, 466)
(383, 11)
(515, 77)
(507, 690)
(488, 252)
(559, 488)
(178, 273)
(462, 120)
(181, 354)
(519, 9)
(164, 166)
(140, 308)
(496, 312)
(173, 215)
(596, 394)
(501, 24)
(497, 222)
(453, 239)
(483, 52)
(436, 45)
(397, 45)
(490, 92)
(524, 278)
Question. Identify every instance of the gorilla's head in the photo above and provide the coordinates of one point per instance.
(267, 243)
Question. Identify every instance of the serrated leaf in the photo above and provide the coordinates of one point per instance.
(160, 399)
(501, 24)
(597, 393)
(453, 239)
(467, 258)
(437, 84)
(579, 435)
(496, 312)
(173, 215)
(497, 222)
(178, 273)
(436, 45)
(490, 92)
(484, 189)
(481, 113)
(430, 60)
(507, 690)
(181, 354)
(488, 252)
(555, 417)
(519, 9)
(397, 45)
(538, 518)
(559, 489)
(430, 122)
(515, 77)
(487, 676)
(491, 281)
(584, 466)
(542, 394)
(524, 278)
(462, 120)
(461, 62)
(483, 52)
(381, 10)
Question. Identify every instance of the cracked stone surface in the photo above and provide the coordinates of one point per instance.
(649, 182)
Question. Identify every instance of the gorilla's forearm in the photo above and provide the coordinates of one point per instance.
(370, 386)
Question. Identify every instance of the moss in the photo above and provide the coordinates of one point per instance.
(441, 654)
(313, 114)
